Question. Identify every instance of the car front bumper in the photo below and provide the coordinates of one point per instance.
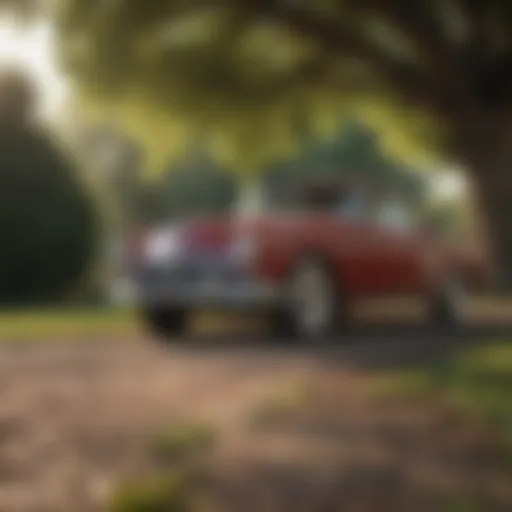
(206, 286)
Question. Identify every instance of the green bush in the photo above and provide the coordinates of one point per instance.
(183, 440)
(479, 380)
(170, 492)
(48, 223)
(284, 407)
(167, 493)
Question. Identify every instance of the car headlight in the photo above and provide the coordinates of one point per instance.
(163, 247)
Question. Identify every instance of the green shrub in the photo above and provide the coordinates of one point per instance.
(283, 407)
(169, 493)
(183, 440)
(459, 504)
(479, 380)
(49, 226)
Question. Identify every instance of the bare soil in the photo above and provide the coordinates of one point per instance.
(75, 419)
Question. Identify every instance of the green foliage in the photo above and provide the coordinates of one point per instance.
(450, 218)
(355, 151)
(170, 69)
(182, 441)
(460, 503)
(186, 188)
(196, 185)
(48, 223)
(69, 325)
(168, 493)
(284, 407)
(480, 380)
(197, 188)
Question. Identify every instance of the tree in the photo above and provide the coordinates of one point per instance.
(239, 67)
(117, 162)
(188, 189)
(192, 185)
(451, 219)
(197, 185)
(354, 152)
(48, 225)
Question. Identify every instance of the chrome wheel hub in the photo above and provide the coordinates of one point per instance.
(312, 300)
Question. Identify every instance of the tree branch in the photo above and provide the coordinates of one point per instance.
(477, 16)
(488, 52)
(417, 20)
(329, 35)
(311, 71)
(498, 82)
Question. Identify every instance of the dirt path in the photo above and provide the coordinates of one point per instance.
(75, 417)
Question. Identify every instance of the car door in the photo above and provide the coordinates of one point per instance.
(399, 252)
(356, 243)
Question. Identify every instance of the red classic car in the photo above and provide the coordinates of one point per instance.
(301, 260)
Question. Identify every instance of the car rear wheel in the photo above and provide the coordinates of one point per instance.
(312, 307)
(166, 322)
(447, 306)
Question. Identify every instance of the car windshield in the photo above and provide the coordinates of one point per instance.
(261, 198)
(319, 197)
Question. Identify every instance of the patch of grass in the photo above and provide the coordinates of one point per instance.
(182, 441)
(479, 380)
(459, 504)
(412, 383)
(168, 493)
(170, 489)
(283, 406)
(69, 324)
(66, 324)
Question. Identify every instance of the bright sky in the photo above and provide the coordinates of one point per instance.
(32, 49)
(448, 183)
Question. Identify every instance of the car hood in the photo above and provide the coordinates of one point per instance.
(209, 235)
(215, 235)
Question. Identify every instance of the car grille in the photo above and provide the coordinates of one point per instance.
(188, 274)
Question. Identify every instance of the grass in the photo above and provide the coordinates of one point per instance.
(167, 493)
(182, 441)
(459, 504)
(172, 489)
(479, 380)
(72, 324)
(283, 406)
(98, 324)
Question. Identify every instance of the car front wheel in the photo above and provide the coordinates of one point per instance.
(312, 306)
(166, 322)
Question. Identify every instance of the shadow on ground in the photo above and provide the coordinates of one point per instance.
(349, 449)
(76, 419)
(370, 347)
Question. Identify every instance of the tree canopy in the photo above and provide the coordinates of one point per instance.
(241, 70)
(198, 185)
(238, 71)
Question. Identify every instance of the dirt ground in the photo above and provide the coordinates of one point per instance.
(75, 419)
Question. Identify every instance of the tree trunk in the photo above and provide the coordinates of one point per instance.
(489, 159)
(496, 204)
